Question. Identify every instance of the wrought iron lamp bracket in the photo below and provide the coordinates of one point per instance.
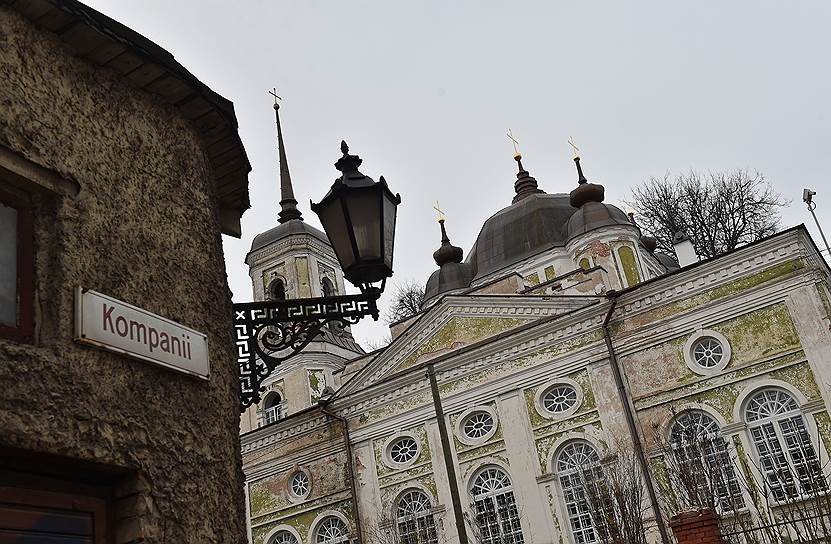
(268, 333)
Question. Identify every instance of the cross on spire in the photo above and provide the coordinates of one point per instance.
(440, 212)
(574, 147)
(510, 136)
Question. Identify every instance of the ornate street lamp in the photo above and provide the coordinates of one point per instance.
(358, 216)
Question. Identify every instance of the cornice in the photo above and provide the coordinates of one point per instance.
(499, 306)
(296, 242)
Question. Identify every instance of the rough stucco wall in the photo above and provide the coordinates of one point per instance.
(142, 230)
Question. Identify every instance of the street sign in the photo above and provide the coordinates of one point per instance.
(110, 324)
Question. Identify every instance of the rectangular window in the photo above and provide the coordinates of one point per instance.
(16, 267)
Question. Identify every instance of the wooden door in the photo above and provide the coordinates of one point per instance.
(29, 516)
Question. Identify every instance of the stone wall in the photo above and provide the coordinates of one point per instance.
(144, 230)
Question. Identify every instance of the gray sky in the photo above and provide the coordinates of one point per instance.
(425, 91)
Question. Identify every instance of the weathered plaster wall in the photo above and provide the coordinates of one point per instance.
(142, 230)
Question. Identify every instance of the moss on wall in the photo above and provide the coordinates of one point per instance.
(753, 337)
(550, 273)
(533, 279)
(732, 288)
(317, 382)
(538, 421)
(424, 455)
(302, 521)
(459, 331)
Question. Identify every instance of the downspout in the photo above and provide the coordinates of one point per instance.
(353, 489)
(455, 497)
(630, 419)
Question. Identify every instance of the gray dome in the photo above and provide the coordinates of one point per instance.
(447, 278)
(668, 262)
(531, 225)
(594, 215)
(283, 230)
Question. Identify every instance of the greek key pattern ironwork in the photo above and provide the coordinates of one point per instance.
(268, 333)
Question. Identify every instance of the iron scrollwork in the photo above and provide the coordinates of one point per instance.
(268, 333)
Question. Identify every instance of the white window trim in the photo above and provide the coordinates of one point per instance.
(322, 516)
(287, 528)
(463, 438)
(808, 418)
(541, 391)
(292, 496)
(392, 440)
(690, 360)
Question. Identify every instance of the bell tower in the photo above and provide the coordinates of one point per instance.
(296, 260)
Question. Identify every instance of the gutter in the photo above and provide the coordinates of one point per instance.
(628, 412)
(352, 487)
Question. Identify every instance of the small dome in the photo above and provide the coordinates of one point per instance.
(650, 243)
(594, 215)
(531, 225)
(668, 262)
(449, 277)
(283, 230)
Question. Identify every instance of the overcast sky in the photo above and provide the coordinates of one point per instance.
(425, 91)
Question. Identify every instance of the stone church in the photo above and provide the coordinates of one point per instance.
(561, 341)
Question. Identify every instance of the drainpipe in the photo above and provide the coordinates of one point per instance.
(630, 419)
(352, 488)
(448, 458)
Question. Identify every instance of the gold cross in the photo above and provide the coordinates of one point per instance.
(441, 215)
(510, 135)
(273, 92)
(576, 149)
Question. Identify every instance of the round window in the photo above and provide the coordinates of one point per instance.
(707, 352)
(403, 450)
(560, 398)
(299, 484)
(478, 425)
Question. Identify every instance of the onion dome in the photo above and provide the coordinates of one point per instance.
(452, 274)
(668, 262)
(447, 253)
(534, 222)
(591, 213)
(650, 243)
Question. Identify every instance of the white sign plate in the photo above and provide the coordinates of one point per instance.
(110, 324)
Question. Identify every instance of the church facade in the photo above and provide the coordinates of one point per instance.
(563, 341)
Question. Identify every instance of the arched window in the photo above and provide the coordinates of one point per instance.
(276, 290)
(578, 466)
(272, 408)
(332, 530)
(786, 452)
(497, 517)
(327, 287)
(283, 537)
(415, 519)
(705, 471)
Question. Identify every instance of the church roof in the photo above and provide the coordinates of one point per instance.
(532, 224)
(594, 215)
(283, 230)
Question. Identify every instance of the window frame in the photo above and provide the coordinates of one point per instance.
(774, 422)
(24, 328)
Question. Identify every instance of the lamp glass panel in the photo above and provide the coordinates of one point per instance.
(390, 209)
(365, 214)
(334, 223)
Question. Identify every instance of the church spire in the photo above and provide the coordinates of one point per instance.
(288, 204)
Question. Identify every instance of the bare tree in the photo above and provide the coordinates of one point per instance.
(719, 211)
(406, 301)
(614, 495)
